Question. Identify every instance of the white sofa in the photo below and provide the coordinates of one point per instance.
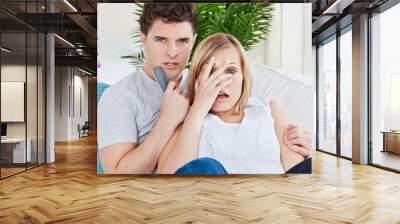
(293, 91)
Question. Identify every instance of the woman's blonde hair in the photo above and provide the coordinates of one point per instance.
(203, 53)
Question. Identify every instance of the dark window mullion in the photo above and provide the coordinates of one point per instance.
(26, 87)
(338, 98)
(317, 95)
(0, 97)
(37, 90)
(369, 83)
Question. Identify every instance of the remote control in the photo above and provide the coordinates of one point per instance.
(161, 77)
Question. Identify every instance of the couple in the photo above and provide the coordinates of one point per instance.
(205, 122)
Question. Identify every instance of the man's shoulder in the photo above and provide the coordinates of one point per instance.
(128, 83)
(124, 90)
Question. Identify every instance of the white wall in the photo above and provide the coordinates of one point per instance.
(67, 80)
(288, 45)
(80, 83)
(115, 23)
(14, 73)
(61, 103)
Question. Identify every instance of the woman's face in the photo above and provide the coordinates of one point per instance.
(228, 96)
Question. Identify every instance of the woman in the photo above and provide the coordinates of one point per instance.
(224, 123)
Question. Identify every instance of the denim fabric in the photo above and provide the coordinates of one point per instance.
(303, 167)
(202, 166)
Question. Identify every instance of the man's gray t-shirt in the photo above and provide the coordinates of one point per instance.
(128, 110)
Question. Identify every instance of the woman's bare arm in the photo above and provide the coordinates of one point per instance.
(289, 158)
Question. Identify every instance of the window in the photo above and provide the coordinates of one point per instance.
(385, 88)
(346, 94)
(327, 97)
(22, 63)
(395, 101)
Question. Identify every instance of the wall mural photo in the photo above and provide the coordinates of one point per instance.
(204, 88)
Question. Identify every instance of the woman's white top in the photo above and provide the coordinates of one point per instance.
(249, 147)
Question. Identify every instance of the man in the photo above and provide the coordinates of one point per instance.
(136, 119)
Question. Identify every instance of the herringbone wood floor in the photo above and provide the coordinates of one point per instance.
(70, 191)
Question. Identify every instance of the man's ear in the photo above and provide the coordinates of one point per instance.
(194, 38)
(142, 37)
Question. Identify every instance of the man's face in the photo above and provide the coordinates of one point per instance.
(168, 45)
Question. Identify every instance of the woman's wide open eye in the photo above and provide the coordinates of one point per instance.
(231, 70)
(213, 70)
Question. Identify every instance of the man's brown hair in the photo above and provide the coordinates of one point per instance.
(168, 13)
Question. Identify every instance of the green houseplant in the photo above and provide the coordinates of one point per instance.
(249, 23)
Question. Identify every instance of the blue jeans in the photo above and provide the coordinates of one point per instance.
(303, 167)
(211, 166)
(202, 166)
